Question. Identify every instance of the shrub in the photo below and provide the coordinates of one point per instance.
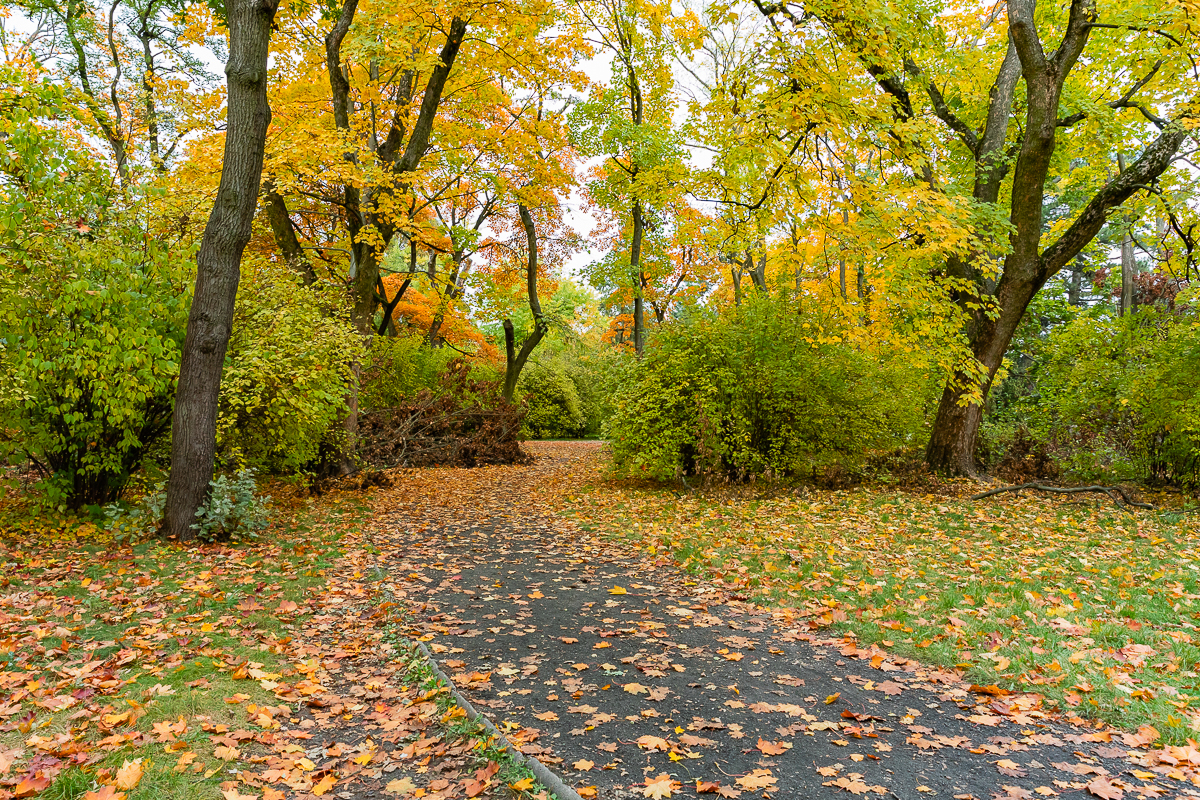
(397, 369)
(554, 408)
(93, 308)
(127, 524)
(234, 509)
(286, 372)
(758, 392)
(1119, 398)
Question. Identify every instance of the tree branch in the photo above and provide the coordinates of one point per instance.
(1154, 160)
(1118, 495)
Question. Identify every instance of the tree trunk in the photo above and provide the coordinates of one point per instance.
(515, 361)
(955, 430)
(842, 255)
(1128, 272)
(210, 320)
(1075, 287)
(1128, 265)
(635, 263)
(758, 272)
(284, 232)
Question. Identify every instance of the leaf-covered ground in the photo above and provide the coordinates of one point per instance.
(634, 678)
(1092, 605)
(644, 642)
(258, 670)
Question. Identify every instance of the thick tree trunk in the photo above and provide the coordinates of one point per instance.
(951, 446)
(210, 320)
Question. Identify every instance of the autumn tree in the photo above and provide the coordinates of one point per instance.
(628, 123)
(210, 319)
(134, 65)
(1002, 108)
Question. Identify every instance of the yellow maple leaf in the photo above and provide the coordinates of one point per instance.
(662, 786)
(327, 783)
(129, 773)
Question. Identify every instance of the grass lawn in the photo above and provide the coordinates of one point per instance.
(147, 671)
(1093, 606)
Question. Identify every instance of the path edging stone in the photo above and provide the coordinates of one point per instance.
(543, 773)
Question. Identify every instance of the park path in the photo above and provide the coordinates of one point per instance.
(631, 679)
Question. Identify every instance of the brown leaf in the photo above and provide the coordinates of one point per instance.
(1102, 788)
(773, 748)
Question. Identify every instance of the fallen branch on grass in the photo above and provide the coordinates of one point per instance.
(1118, 495)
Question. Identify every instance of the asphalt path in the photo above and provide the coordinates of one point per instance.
(632, 680)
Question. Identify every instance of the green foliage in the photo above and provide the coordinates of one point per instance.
(558, 411)
(1119, 398)
(398, 368)
(234, 510)
(555, 411)
(128, 524)
(93, 308)
(752, 393)
(286, 371)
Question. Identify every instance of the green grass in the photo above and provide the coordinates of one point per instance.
(1057, 596)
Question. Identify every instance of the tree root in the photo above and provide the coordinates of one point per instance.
(1118, 495)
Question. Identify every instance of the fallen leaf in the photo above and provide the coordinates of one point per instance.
(128, 774)
(327, 783)
(1102, 788)
(773, 748)
(758, 779)
(662, 786)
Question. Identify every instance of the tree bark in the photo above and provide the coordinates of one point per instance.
(1128, 273)
(639, 277)
(514, 361)
(284, 232)
(210, 319)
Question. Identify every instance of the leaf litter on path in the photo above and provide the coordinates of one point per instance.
(522, 607)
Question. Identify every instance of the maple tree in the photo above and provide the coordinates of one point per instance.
(628, 123)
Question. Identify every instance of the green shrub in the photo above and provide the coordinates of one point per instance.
(234, 509)
(93, 310)
(1119, 398)
(283, 388)
(757, 392)
(397, 369)
(554, 408)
